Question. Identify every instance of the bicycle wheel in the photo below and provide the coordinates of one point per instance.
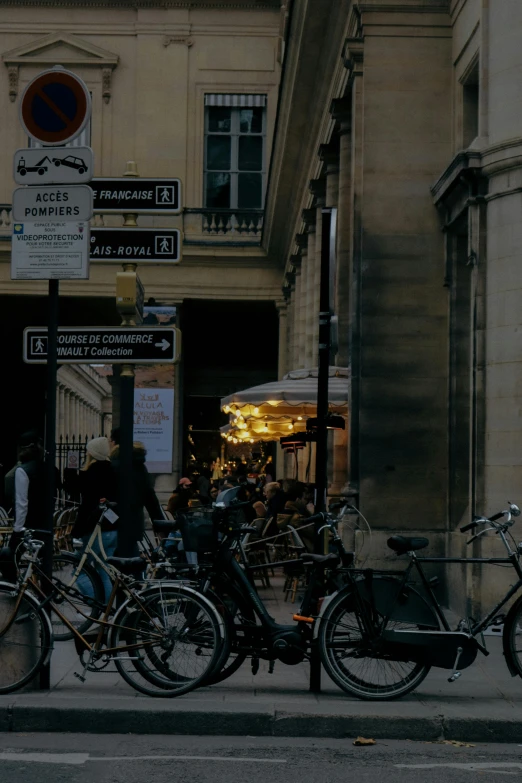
(512, 637)
(236, 615)
(178, 637)
(353, 664)
(25, 645)
(84, 590)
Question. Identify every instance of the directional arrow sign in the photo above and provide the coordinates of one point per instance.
(152, 196)
(105, 345)
(152, 245)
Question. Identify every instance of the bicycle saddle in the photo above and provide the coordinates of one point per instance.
(328, 560)
(403, 544)
(127, 565)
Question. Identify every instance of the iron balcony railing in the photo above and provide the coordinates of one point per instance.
(200, 226)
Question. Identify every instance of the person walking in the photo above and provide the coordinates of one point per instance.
(97, 481)
(142, 494)
(28, 486)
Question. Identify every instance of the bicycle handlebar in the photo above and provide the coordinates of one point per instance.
(513, 510)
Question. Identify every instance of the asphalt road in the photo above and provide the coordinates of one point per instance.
(76, 758)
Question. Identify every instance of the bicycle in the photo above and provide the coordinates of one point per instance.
(252, 630)
(147, 629)
(373, 657)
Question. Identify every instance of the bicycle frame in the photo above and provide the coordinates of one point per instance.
(481, 625)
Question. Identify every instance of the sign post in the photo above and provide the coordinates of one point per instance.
(54, 109)
(321, 462)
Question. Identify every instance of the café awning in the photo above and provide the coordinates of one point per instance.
(295, 394)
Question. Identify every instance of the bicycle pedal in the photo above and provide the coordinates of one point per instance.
(79, 677)
(255, 665)
(454, 676)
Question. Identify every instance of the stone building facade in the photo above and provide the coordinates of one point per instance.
(183, 89)
(406, 116)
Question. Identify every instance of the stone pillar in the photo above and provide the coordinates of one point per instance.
(65, 412)
(297, 316)
(341, 111)
(318, 189)
(309, 217)
(290, 322)
(60, 412)
(282, 362)
(302, 242)
(77, 422)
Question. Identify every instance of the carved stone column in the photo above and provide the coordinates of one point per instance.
(282, 361)
(60, 412)
(309, 218)
(318, 189)
(341, 111)
(296, 337)
(302, 243)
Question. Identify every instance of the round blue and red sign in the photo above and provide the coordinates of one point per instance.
(55, 107)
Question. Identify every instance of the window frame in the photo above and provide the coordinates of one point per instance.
(234, 171)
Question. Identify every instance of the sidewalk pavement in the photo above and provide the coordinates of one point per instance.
(485, 705)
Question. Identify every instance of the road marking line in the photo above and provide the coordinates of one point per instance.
(477, 766)
(82, 758)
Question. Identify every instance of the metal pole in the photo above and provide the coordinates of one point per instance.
(127, 536)
(321, 461)
(50, 447)
(325, 316)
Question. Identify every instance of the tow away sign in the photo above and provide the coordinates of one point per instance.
(105, 345)
(46, 250)
(53, 202)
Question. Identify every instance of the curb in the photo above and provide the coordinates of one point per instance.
(104, 717)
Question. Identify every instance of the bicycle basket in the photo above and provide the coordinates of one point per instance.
(198, 530)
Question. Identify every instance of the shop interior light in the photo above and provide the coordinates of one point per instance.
(256, 411)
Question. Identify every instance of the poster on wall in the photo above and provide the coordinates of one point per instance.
(153, 426)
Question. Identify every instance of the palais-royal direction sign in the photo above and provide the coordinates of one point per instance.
(140, 195)
(105, 344)
(55, 107)
(152, 245)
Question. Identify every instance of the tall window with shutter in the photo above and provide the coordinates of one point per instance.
(235, 156)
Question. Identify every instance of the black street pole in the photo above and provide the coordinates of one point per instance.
(127, 536)
(50, 449)
(325, 318)
(321, 454)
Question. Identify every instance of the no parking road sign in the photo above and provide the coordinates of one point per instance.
(55, 107)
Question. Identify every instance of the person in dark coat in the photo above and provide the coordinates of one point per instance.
(97, 482)
(141, 490)
(180, 498)
(28, 496)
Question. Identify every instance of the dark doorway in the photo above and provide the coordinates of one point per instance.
(24, 385)
(227, 346)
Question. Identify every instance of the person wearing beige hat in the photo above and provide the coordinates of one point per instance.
(97, 482)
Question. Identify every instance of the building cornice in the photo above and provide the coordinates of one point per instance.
(247, 5)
